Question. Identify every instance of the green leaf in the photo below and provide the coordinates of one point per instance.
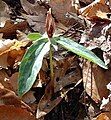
(34, 36)
(80, 50)
(31, 65)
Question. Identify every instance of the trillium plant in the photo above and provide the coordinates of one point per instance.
(43, 44)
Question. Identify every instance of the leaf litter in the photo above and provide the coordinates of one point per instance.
(92, 30)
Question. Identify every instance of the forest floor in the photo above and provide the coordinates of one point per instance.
(81, 88)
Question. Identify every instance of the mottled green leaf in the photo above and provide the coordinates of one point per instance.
(31, 65)
(34, 36)
(80, 50)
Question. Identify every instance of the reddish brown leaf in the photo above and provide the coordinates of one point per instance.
(8, 97)
(10, 28)
(14, 113)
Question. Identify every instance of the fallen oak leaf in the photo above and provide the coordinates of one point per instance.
(10, 28)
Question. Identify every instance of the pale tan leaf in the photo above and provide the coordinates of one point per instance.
(95, 81)
(11, 52)
(3, 13)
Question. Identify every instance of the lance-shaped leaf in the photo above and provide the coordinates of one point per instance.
(34, 36)
(80, 50)
(31, 65)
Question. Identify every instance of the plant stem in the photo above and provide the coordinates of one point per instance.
(51, 64)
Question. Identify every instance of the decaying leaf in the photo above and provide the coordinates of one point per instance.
(95, 10)
(86, 1)
(29, 97)
(8, 97)
(60, 8)
(3, 13)
(67, 71)
(95, 81)
(8, 112)
(106, 107)
(10, 28)
(11, 51)
(36, 15)
(102, 116)
(4, 80)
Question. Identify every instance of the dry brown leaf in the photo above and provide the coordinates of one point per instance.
(4, 80)
(8, 97)
(13, 113)
(107, 108)
(13, 80)
(60, 8)
(29, 97)
(10, 28)
(102, 116)
(3, 13)
(66, 72)
(45, 106)
(95, 81)
(9, 82)
(95, 10)
(11, 51)
(36, 15)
